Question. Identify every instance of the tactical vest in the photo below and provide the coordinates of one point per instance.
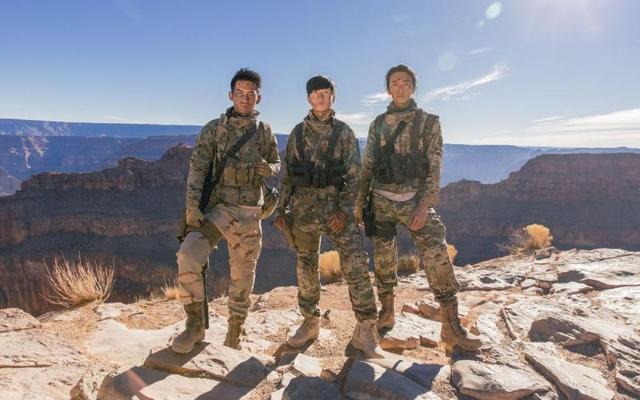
(232, 175)
(402, 168)
(305, 173)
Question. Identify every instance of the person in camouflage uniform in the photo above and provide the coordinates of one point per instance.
(233, 211)
(317, 197)
(401, 173)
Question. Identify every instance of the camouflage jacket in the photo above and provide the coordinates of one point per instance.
(321, 203)
(429, 142)
(239, 184)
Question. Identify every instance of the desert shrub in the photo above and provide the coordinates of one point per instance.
(170, 291)
(528, 239)
(78, 282)
(408, 264)
(453, 252)
(329, 266)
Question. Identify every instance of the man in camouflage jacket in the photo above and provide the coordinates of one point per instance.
(401, 176)
(317, 197)
(233, 211)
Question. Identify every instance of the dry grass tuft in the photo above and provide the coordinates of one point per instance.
(78, 282)
(453, 252)
(329, 266)
(170, 292)
(528, 239)
(408, 264)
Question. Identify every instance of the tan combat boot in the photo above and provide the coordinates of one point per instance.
(387, 317)
(194, 329)
(454, 334)
(309, 330)
(365, 338)
(233, 331)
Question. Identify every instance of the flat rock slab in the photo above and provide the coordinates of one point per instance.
(624, 353)
(519, 316)
(488, 280)
(367, 380)
(411, 331)
(424, 374)
(624, 301)
(36, 364)
(603, 273)
(306, 365)
(430, 309)
(213, 361)
(495, 382)
(14, 319)
(145, 383)
(576, 382)
(570, 288)
(306, 388)
(125, 346)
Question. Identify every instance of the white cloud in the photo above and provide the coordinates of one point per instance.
(372, 100)
(479, 50)
(355, 118)
(547, 119)
(613, 129)
(461, 90)
(614, 123)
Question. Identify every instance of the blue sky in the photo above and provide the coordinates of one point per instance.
(524, 72)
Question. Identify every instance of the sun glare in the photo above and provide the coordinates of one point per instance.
(567, 18)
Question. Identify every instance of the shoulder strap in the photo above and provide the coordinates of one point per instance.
(233, 150)
(297, 132)
(429, 123)
(333, 139)
(415, 130)
(390, 141)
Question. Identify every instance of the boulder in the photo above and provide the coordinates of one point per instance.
(368, 380)
(14, 319)
(576, 382)
(411, 331)
(495, 382)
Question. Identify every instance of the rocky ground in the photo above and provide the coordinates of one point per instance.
(557, 325)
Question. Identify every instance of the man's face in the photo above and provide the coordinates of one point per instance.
(321, 100)
(400, 87)
(245, 96)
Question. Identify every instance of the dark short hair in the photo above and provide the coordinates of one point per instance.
(320, 82)
(245, 74)
(401, 68)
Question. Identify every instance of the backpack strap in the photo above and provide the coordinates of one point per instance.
(297, 132)
(415, 130)
(429, 123)
(333, 139)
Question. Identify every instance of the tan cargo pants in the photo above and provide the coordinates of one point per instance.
(241, 228)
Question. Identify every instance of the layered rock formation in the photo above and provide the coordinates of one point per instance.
(561, 337)
(124, 217)
(8, 183)
(587, 200)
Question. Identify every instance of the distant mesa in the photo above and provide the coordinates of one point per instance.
(126, 216)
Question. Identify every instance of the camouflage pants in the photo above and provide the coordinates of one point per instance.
(353, 263)
(241, 228)
(429, 241)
